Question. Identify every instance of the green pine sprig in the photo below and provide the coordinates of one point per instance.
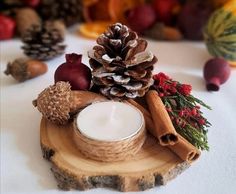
(184, 110)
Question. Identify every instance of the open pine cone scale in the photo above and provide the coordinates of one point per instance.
(121, 66)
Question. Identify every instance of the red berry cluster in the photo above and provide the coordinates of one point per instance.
(183, 109)
(181, 117)
(167, 87)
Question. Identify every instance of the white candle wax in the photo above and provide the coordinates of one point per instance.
(109, 121)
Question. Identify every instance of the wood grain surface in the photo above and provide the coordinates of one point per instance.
(152, 165)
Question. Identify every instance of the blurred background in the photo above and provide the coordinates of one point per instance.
(213, 21)
(156, 19)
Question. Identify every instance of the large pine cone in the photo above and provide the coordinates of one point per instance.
(121, 66)
(44, 41)
(69, 11)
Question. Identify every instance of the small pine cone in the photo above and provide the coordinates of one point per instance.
(120, 65)
(44, 41)
(25, 18)
(70, 11)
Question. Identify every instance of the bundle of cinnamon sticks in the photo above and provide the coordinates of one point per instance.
(160, 126)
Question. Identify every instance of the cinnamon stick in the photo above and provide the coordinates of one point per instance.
(163, 127)
(185, 150)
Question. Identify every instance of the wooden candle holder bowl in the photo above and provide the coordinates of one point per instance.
(152, 165)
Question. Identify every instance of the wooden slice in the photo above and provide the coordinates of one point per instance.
(152, 165)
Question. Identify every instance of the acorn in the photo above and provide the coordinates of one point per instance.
(25, 18)
(23, 69)
(58, 102)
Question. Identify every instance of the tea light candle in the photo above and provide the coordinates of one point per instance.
(109, 121)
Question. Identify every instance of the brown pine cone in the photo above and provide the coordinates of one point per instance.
(69, 11)
(121, 66)
(44, 41)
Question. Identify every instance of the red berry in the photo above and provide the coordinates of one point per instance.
(174, 83)
(7, 27)
(141, 18)
(165, 9)
(194, 111)
(202, 122)
(185, 89)
(187, 111)
(181, 113)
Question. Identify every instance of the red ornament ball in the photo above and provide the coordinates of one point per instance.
(141, 18)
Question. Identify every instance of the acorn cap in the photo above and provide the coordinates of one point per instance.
(18, 69)
(54, 102)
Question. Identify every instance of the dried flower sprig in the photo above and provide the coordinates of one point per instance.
(183, 109)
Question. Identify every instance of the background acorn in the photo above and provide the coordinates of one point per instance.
(120, 65)
(25, 18)
(44, 41)
(23, 69)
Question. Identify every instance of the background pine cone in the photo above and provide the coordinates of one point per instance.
(44, 41)
(121, 66)
(69, 11)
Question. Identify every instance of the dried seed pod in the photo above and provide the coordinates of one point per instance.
(23, 69)
(57, 102)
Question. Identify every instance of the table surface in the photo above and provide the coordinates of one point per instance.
(23, 170)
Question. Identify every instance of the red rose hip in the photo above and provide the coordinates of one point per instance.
(75, 72)
(216, 72)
